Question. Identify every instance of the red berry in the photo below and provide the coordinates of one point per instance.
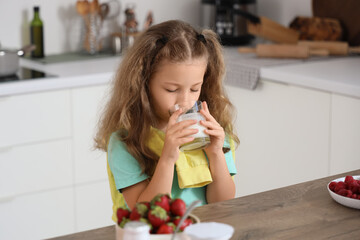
(344, 192)
(354, 186)
(162, 200)
(158, 216)
(349, 179)
(178, 207)
(122, 213)
(340, 185)
(166, 228)
(186, 222)
(332, 186)
(140, 210)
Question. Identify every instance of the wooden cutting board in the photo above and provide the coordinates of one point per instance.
(334, 47)
(284, 51)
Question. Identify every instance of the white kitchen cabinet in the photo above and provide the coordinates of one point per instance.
(88, 102)
(93, 206)
(38, 216)
(34, 117)
(284, 136)
(35, 167)
(345, 134)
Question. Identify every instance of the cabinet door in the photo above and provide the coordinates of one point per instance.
(93, 206)
(90, 165)
(345, 134)
(35, 167)
(284, 136)
(34, 117)
(38, 216)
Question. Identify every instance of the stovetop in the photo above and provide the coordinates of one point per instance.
(25, 74)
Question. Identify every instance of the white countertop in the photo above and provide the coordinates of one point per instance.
(340, 76)
(335, 75)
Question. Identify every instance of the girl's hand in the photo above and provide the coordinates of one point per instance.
(214, 130)
(176, 135)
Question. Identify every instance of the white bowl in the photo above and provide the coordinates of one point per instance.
(349, 202)
(179, 236)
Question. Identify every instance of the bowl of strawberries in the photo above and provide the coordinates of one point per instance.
(162, 214)
(346, 191)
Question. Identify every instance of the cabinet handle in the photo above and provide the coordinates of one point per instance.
(7, 198)
(3, 99)
(5, 149)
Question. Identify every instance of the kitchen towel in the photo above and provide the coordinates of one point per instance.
(243, 70)
(192, 167)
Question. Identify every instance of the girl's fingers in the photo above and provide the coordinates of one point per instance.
(174, 116)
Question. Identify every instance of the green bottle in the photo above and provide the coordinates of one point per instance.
(36, 34)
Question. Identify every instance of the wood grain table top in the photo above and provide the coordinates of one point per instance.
(301, 211)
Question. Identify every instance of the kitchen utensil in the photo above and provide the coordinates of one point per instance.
(188, 211)
(228, 19)
(334, 47)
(114, 9)
(273, 31)
(349, 202)
(9, 59)
(284, 51)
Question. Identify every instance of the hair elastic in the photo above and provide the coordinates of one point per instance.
(163, 40)
(201, 37)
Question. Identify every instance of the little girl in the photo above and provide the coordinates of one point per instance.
(169, 63)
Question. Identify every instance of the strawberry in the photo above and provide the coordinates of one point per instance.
(178, 207)
(123, 222)
(122, 213)
(140, 210)
(186, 222)
(158, 216)
(166, 228)
(162, 200)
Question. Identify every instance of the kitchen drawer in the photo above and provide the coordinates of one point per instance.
(93, 206)
(34, 117)
(38, 216)
(35, 167)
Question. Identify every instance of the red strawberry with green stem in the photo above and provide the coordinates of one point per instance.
(178, 207)
(166, 228)
(158, 216)
(122, 213)
(162, 200)
(140, 210)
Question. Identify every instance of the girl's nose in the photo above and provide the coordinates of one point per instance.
(183, 97)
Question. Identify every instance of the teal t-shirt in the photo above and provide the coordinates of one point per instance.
(127, 171)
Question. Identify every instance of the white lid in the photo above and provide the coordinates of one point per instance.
(209, 231)
(137, 226)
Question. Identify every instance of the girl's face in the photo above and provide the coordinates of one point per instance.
(174, 83)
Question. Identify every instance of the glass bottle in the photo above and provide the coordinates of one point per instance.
(37, 34)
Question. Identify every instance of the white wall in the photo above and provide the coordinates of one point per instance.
(62, 25)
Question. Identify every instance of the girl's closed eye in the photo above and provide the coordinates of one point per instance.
(194, 90)
(170, 90)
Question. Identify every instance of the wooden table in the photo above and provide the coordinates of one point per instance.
(301, 211)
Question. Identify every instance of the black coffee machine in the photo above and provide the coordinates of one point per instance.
(228, 19)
